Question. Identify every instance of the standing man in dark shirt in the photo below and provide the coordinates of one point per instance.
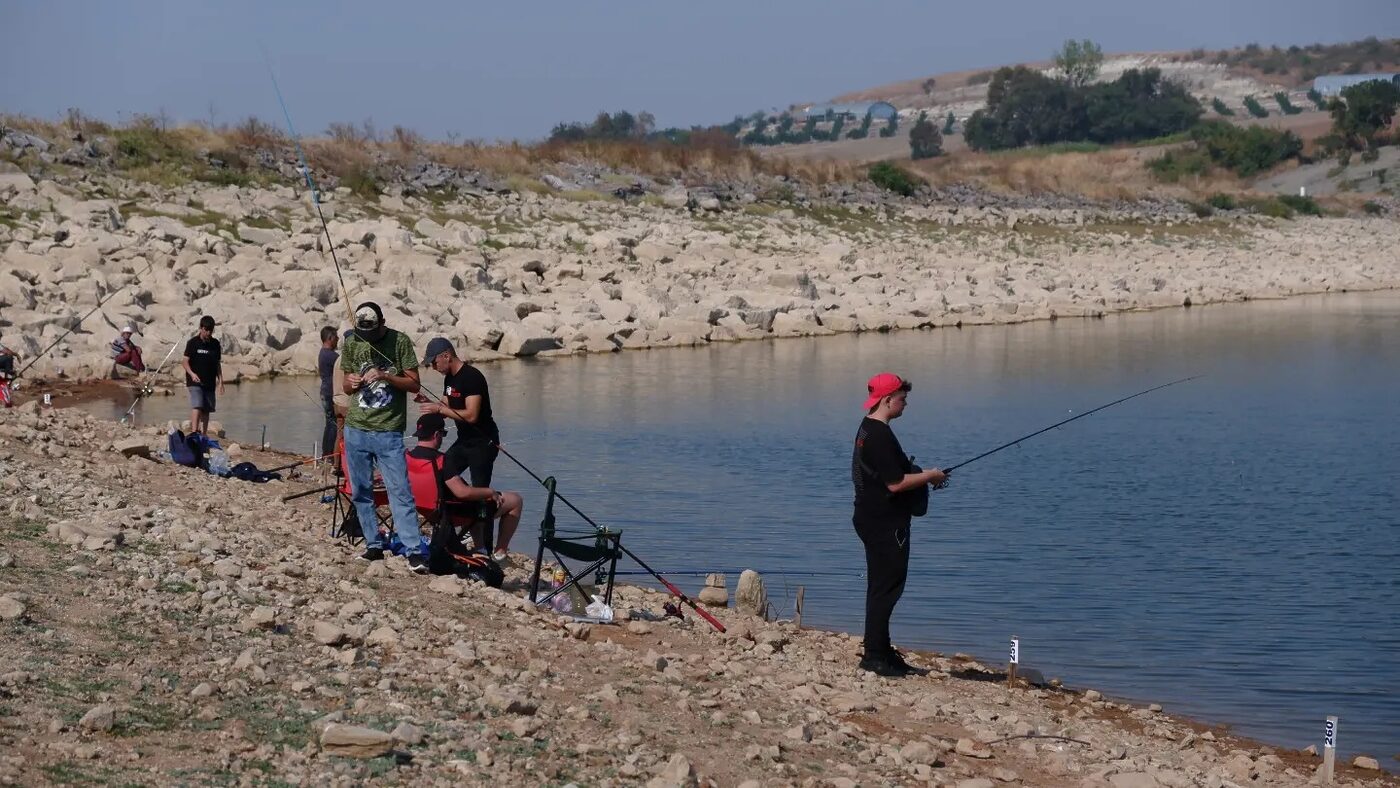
(325, 367)
(473, 454)
(204, 374)
(883, 477)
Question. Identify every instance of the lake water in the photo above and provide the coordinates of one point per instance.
(1229, 547)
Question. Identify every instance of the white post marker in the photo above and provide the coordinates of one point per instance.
(48, 400)
(1302, 191)
(1329, 750)
(1013, 661)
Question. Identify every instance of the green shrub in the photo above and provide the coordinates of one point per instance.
(362, 181)
(1370, 154)
(891, 128)
(1220, 108)
(1304, 205)
(1316, 99)
(1246, 151)
(893, 178)
(1201, 210)
(1373, 208)
(1174, 165)
(949, 123)
(1275, 208)
(863, 131)
(1222, 202)
(1286, 105)
(925, 141)
(1255, 108)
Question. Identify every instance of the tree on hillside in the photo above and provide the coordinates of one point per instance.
(929, 85)
(1079, 62)
(925, 141)
(1363, 111)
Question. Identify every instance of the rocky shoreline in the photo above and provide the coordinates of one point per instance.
(539, 271)
(164, 626)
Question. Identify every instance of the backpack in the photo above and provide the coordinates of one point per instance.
(249, 472)
(186, 450)
(448, 556)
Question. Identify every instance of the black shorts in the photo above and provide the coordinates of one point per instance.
(477, 457)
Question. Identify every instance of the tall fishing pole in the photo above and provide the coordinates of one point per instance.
(311, 187)
(74, 327)
(316, 201)
(1066, 421)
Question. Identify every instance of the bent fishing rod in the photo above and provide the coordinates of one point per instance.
(74, 327)
(345, 295)
(1023, 438)
(144, 389)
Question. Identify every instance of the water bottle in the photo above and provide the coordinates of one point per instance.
(561, 603)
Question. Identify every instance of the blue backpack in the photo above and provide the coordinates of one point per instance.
(186, 450)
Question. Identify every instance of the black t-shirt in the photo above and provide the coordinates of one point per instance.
(876, 462)
(204, 360)
(466, 383)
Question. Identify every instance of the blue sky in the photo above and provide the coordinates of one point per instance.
(513, 69)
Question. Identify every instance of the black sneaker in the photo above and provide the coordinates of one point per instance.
(372, 554)
(882, 667)
(417, 564)
(897, 659)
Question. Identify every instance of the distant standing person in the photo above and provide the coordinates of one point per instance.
(204, 374)
(380, 369)
(884, 478)
(325, 367)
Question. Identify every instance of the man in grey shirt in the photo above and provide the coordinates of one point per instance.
(325, 367)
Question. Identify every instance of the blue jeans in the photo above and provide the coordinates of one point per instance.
(363, 451)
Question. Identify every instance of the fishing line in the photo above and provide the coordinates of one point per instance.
(65, 334)
(1066, 421)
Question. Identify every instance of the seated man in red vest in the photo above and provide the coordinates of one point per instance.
(496, 504)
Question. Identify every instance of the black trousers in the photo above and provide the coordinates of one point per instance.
(328, 432)
(886, 569)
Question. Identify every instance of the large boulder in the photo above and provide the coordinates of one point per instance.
(355, 741)
(751, 596)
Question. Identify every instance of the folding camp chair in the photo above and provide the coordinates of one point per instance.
(601, 549)
(435, 503)
(345, 518)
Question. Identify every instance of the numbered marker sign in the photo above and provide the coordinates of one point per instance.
(48, 400)
(1329, 734)
(1015, 651)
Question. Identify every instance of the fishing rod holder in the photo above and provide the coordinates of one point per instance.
(599, 548)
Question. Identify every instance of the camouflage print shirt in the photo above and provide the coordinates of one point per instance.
(378, 407)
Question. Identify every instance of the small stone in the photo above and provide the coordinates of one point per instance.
(384, 636)
(203, 690)
(355, 741)
(1366, 762)
(802, 733)
(1311, 749)
(327, 634)
(972, 749)
(446, 584)
(677, 773)
(714, 597)
(462, 651)
(6, 561)
(639, 628)
(99, 718)
(1133, 780)
(1155, 708)
(975, 782)
(1092, 695)
(1005, 775)
(408, 733)
(263, 617)
(133, 447)
(11, 609)
(920, 752)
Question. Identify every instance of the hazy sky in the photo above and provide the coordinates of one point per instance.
(513, 68)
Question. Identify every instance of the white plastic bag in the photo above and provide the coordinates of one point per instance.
(599, 609)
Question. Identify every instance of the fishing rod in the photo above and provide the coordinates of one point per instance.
(74, 327)
(1066, 421)
(772, 573)
(330, 243)
(143, 390)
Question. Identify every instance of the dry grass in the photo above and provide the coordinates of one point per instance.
(1111, 174)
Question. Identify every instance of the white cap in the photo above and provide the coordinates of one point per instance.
(128, 330)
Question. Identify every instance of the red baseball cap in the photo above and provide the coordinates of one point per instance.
(883, 385)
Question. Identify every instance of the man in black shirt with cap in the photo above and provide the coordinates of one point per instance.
(884, 478)
(204, 374)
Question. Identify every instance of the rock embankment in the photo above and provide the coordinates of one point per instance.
(161, 626)
(517, 273)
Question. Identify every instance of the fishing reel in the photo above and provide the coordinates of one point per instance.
(672, 610)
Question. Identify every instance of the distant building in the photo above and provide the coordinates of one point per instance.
(1333, 84)
(879, 110)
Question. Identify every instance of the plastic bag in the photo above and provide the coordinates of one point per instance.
(599, 609)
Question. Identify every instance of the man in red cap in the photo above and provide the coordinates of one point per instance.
(885, 481)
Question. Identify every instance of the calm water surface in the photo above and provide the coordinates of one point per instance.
(1229, 547)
